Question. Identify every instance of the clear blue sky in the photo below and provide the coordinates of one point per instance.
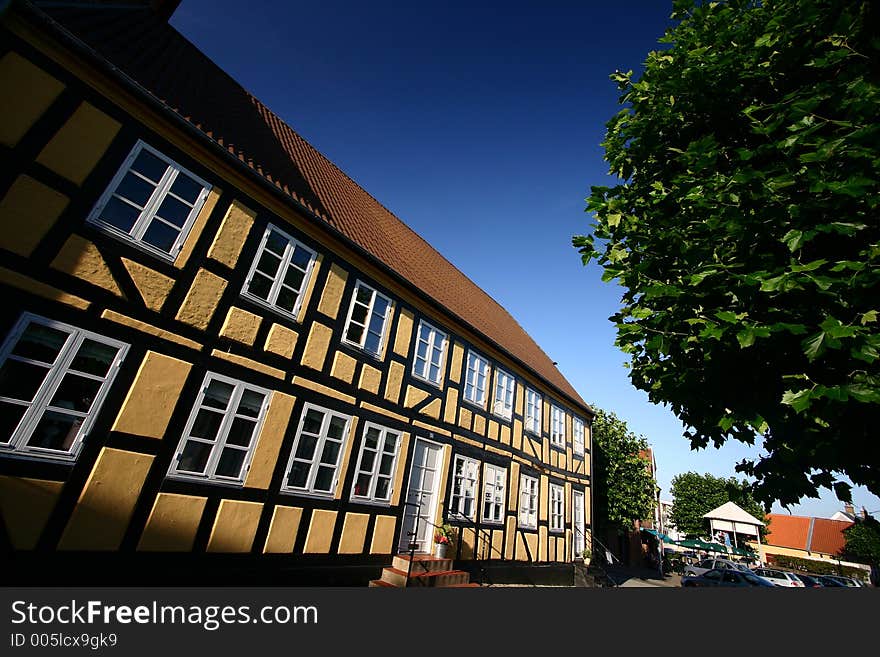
(478, 124)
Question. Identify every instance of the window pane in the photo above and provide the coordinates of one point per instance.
(251, 403)
(135, 189)
(162, 236)
(76, 393)
(299, 473)
(362, 485)
(359, 314)
(39, 342)
(390, 443)
(364, 295)
(286, 299)
(324, 480)
(217, 395)
(330, 453)
(173, 211)
(195, 456)
(434, 373)
(120, 214)
(371, 440)
(241, 432)
(294, 278)
(260, 286)
(386, 463)
(230, 463)
(336, 428)
(149, 165)
(301, 257)
(206, 424)
(21, 380)
(368, 460)
(55, 431)
(276, 243)
(306, 447)
(94, 358)
(268, 264)
(354, 333)
(372, 343)
(383, 486)
(10, 416)
(313, 420)
(186, 188)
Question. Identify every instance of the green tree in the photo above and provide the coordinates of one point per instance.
(624, 487)
(863, 541)
(745, 232)
(694, 495)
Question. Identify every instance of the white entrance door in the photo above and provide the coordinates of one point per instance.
(577, 504)
(424, 479)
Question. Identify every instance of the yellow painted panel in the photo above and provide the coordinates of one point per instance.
(241, 326)
(151, 399)
(480, 424)
(551, 552)
(432, 409)
(432, 427)
(383, 535)
(153, 287)
(283, 530)
(202, 299)
(331, 298)
(517, 435)
(173, 523)
(505, 434)
(510, 538)
(542, 544)
(568, 504)
(370, 380)
(320, 534)
(316, 346)
(543, 497)
(383, 411)
(497, 551)
(532, 540)
(404, 333)
(324, 390)
(27, 213)
(235, 526)
(14, 279)
(414, 396)
(281, 341)
(269, 441)
(233, 232)
(25, 506)
(197, 229)
(310, 288)
(114, 316)
(394, 381)
(468, 539)
(343, 367)
(520, 398)
(513, 493)
(81, 259)
(450, 411)
(457, 359)
(107, 501)
(77, 147)
(399, 472)
(493, 430)
(465, 417)
(27, 92)
(249, 363)
(354, 533)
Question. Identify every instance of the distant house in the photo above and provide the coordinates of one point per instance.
(804, 537)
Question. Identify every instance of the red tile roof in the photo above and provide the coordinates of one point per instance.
(805, 533)
(164, 63)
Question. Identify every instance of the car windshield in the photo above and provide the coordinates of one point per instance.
(751, 579)
(741, 568)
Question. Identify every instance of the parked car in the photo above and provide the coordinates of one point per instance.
(825, 580)
(725, 577)
(713, 563)
(845, 581)
(810, 581)
(780, 577)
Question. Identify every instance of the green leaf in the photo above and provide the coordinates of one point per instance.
(799, 401)
(793, 239)
(726, 316)
(868, 317)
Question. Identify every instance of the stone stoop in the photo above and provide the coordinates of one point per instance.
(426, 571)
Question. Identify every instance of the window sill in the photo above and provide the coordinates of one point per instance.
(368, 502)
(476, 405)
(39, 457)
(126, 238)
(195, 479)
(275, 310)
(419, 377)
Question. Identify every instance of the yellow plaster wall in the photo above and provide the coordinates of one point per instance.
(80, 143)
(27, 213)
(383, 535)
(393, 382)
(25, 506)
(232, 234)
(269, 441)
(370, 379)
(331, 298)
(281, 341)
(283, 529)
(241, 325)
(404, 333)
(316, 346)
(400, 470)
(151, 399)
(457, 359)
(510, 538)
(173, 523)
(14, 279)
(197, 229)
(543, 497)
(27, 92)
(104, 508)
(235, 526)
(468, 539)
(432, 409)
(354, 533)
(414, 396)
(343, 367)
(153, 287)
(320, 534)
(202, 299)
(81, 259)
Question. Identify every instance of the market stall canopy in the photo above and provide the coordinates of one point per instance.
(663, 537)
(731, 518)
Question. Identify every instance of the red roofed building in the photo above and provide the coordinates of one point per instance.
(805, 537)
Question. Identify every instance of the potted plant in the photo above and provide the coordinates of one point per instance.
(442, 540)
(586, 555)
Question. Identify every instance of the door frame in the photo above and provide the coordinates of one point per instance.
(574, 521)
(435, 505)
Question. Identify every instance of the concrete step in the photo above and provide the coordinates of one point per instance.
(378, 583)
(421, 563)
(396, 577)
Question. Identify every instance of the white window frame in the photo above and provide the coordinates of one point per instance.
(278, 280)
(309, 489)
(470, 466)
(475, 362)
(579, 434)
(528, 492)
(349, 321)
(239, 387)
(491, 491)
(534, 403)
(505, 388)
(148, 213)
(370, 497)
(557, 508)
(557, 426)
(435, 336)
(40, 404)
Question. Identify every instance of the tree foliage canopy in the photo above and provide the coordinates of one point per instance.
(694, 495)
(624, 488)
(746, 234)
(863, 541)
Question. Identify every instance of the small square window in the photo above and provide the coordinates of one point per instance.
(367, 319)
(317, 451)
(430, 349)
(152, 201)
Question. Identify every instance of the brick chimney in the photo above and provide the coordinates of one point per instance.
(849, 509)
